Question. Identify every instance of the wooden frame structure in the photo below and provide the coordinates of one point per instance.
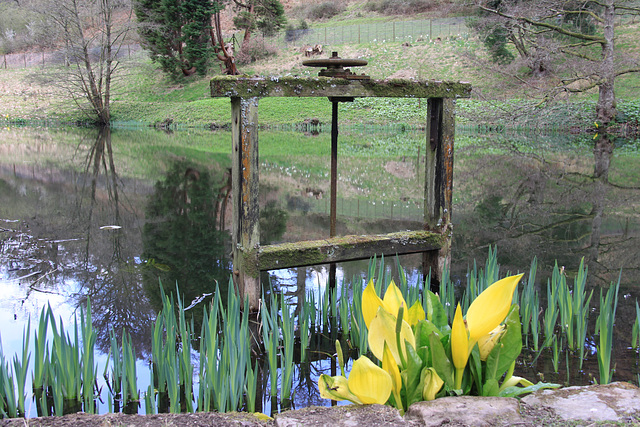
(249, 258)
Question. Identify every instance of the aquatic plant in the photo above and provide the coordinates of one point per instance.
(422, 357)
(604, 329)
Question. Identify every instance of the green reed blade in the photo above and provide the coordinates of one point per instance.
(40, 343)
(604, 326)
(286, 360)
(89, 367)
(635, 334)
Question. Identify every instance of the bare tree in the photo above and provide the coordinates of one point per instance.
(576, 37)
(92, 39)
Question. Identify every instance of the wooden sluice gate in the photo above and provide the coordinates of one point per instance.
(249, 257)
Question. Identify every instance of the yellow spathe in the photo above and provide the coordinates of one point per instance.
(383, 329)
(370, 383)
(491, 307)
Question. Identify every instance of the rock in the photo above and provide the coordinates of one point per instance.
(343, 416)
(466, 411)
(618, 401)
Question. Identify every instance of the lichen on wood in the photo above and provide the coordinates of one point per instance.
(347, 248)
(235, 86)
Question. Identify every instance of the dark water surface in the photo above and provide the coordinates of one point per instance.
(106, 214)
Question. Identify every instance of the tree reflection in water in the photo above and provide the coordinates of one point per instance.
(552, 204)
(111, 281)
(181, 243)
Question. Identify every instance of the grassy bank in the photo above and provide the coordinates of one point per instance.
(142, 94)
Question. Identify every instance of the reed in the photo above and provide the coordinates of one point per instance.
(581, 310)
(130, 393)
(287, 327)
(114, 380)
(555, 359)
(251, 386)
(66, 373)
(270, 340)
(303, 322)
(527, 302)
(8, 402)
(209, 351)
(535, 322)
(447, 295)
(604, 328)
(41, 358)
(89, 366)
(21, 368)
(551, 313)
(343, 309)
(635, 331)
(184, 357)
(358, 330)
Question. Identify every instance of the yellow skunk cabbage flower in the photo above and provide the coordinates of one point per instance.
(392, 302)
(336, 388)
(432, 384)
(383, 329)
(415, 314)
(390, 365)
(459, 345)
(370, 303)
(485, 314)
(393, 299)
(367, 384)
(487, 342)
(491, 307)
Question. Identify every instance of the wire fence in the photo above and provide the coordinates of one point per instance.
(54, 58)
(381, 32)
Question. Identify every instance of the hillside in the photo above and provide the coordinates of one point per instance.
(438, 46)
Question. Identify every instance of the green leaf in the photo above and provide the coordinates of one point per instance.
(507, 349)
(441, 362)
(510, 342)
(475, 364)
(517, 391)
(412, 376)
(435, 311)
(490, 387)
(423, 330)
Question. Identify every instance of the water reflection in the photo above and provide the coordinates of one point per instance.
(183, 244)
(553, 203)
(529, 195)
(74, 234)
(107, 269)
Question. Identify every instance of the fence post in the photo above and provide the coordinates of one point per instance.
(430, 28)
(358, 34)
(394, 31)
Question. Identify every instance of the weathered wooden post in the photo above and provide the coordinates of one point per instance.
(249, 258)
(244, 197)
(438, 175)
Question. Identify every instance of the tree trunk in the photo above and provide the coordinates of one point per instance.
(606, 107)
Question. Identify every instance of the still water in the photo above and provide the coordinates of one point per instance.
(107, 215)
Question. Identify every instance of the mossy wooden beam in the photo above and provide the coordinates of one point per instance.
(249, 87)
(347, 248)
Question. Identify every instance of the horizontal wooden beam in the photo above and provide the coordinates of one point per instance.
(244, 87)
(347, 248)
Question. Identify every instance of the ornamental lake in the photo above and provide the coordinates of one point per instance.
(109, 215)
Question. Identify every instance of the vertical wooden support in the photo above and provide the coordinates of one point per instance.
(246, 211)
(438, 178)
